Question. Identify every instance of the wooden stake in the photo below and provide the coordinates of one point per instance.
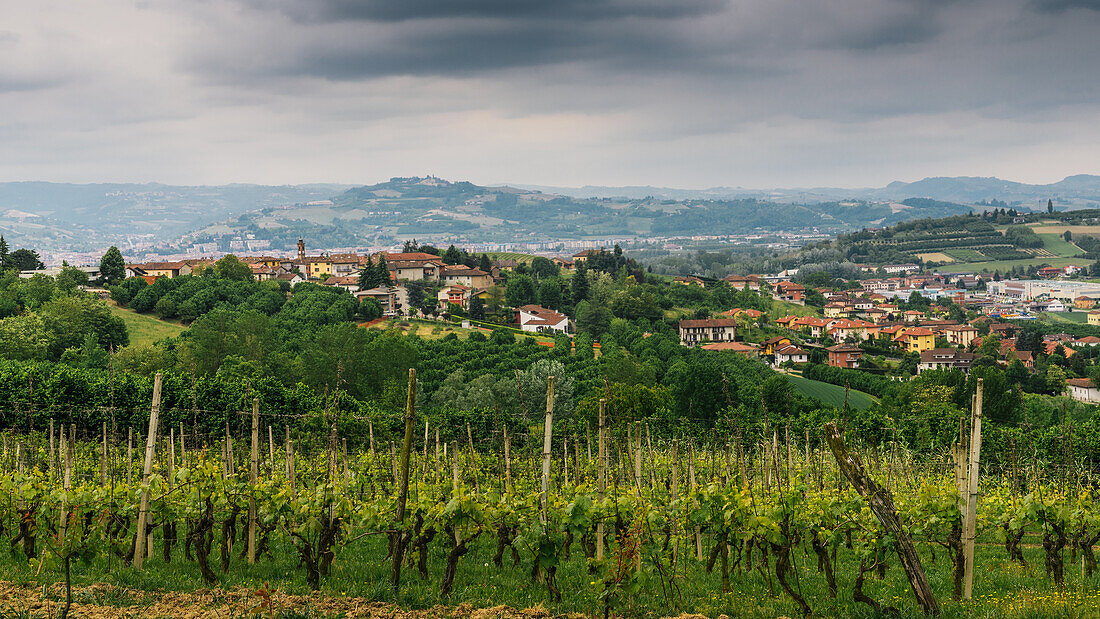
(675, 498)
(601, 477)
(691, 475)
(970, 524)
(253, 478)
(150, 449)
(546, 446)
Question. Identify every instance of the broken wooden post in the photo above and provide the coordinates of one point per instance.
(882, 505)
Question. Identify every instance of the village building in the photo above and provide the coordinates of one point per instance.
(945, 359)
(792, 354)
(536, 319)
(844, 356)
(1082, 390)
(693, 332)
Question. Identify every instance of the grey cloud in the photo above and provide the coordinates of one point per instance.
(1065, 5)
(401, 10)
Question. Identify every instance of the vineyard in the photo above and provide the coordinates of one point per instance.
(755, 522)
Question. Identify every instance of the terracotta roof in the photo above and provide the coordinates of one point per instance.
(710, 322)
(734, 346)
(416, 255)
(844, 348)
(791, 350)
(1083, 383)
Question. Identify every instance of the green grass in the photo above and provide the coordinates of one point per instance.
(507, 255)
(145, 329)
(1056, 244)
(361, 571)
(786, 308)
(1079, 318)
(831, 395)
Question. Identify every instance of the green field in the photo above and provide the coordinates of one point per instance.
(1079, 318)
(786, 308)
(964, 255)
(507, 255)
(1055, 244)
(145, 329)
(831, 395)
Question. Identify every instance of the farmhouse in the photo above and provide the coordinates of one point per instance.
(693, 332)
(535, 319)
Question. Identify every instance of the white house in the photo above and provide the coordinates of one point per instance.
(534, 318)
(791, 353)
(1082, 390)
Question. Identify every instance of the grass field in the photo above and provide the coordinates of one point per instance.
(145, 329)
(964, 254)
(1079, 318)
(507, 255)
(936, 256)
(1055, 244)
(785, 308)
(358, 586)
(831, 395)
(1059, 228)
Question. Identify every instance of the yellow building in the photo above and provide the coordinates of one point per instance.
(917, 339)
(318, 266)
(1094, 317)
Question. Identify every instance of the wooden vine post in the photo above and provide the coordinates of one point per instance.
(253, 478)
(601, 477)
(401, 535)
(546, 447)
(970, 522)
(150, 449)
(882, 505)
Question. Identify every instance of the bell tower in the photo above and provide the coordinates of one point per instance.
(301, 250)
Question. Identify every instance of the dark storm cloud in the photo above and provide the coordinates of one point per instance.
(400, 10)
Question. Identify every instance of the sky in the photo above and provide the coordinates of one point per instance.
(676, 93)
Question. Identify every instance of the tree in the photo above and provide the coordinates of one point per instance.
(580, 283)
(370, 308)
(368, 276)
(477, 308)
(485, 264)
(550, 293)
(1050, 206)
(25, 260)
(229, 267)
(382, 272)
(593, 319)
(112, 268)
(3, 254)
(71, 278)
(542, 267)
(452, 255)
(1067, 235)
(520, 290)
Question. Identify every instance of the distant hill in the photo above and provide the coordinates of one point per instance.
(56, 216)
(1080, 191)
(437, 210)
(77, 217)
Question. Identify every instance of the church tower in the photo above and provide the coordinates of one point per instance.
(301, 250)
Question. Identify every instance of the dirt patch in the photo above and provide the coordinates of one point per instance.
(103, 601)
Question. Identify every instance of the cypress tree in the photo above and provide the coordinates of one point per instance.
(368, 276)
(382, 273)
(3, 253)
